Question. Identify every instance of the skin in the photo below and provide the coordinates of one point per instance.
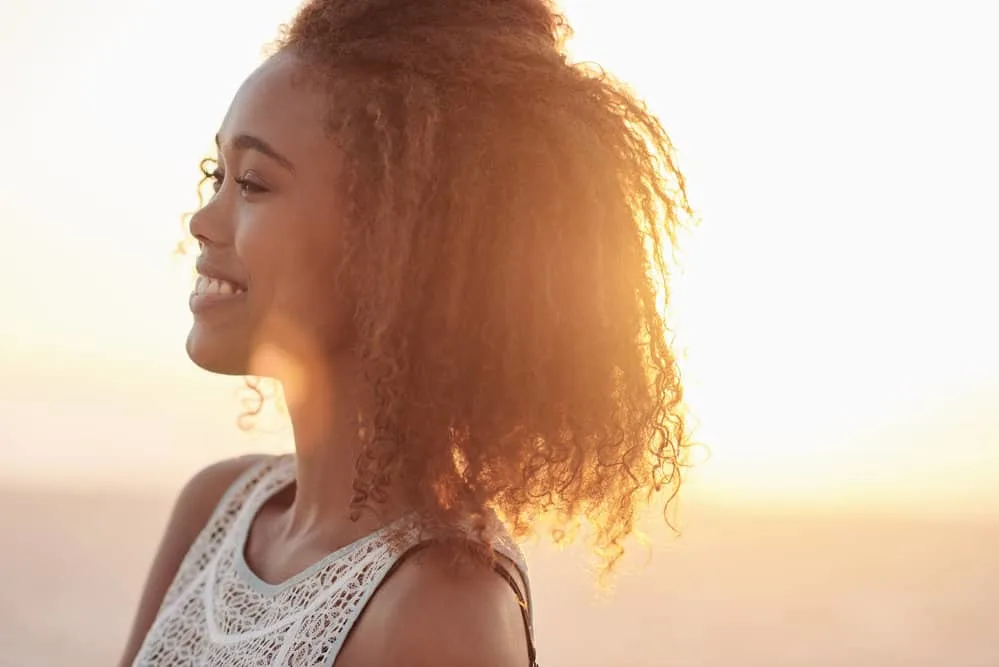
(272, 227)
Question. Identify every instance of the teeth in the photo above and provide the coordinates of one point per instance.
(206, 285)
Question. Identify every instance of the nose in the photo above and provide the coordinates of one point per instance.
(209, 224)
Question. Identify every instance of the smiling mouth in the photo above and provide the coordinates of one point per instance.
(212, 293)
(205, 285)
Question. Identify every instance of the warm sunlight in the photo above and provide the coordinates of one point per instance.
(830, 304)
(835, 311)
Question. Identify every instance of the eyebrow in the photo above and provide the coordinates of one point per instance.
(245, 142)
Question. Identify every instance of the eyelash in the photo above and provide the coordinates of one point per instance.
(217, 176)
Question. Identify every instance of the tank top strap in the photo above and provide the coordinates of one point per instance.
(504, 554)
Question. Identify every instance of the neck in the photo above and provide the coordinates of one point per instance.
(324, 406)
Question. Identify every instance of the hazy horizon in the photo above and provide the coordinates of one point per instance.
(765, 589)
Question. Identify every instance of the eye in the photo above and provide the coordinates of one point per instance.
(248, 186)
(213, 173)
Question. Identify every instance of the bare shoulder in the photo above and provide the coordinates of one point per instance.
(197, 501)
(202, 493)
(442, 612)
(191, 511)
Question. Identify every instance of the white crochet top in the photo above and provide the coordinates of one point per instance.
(218, 613)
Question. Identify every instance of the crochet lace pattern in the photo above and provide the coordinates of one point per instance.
(217, 612)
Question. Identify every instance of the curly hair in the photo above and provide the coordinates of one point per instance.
(509, 216)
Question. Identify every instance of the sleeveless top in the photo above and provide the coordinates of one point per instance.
(217, 612)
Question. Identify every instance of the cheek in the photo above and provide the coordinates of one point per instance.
(322, 297)
(294, 285)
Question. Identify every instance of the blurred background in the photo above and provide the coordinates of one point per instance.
(836, 310)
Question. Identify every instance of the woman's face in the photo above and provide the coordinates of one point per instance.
(266, 292)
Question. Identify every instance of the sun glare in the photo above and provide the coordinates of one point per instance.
(839, 275)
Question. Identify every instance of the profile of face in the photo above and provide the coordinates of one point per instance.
(266, 293)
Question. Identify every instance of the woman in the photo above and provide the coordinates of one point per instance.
(447, 242)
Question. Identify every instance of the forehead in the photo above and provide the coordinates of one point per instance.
(279, 104)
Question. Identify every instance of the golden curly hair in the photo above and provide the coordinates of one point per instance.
(509, 220)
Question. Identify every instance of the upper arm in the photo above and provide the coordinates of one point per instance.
(191, 512)
(440, 616)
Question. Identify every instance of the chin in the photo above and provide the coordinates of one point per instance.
(218, 354)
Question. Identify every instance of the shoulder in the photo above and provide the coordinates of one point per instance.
(202, 493)
(191, 511)
(444, 611)
(195, 504)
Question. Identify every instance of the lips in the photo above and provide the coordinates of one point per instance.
(213, 275)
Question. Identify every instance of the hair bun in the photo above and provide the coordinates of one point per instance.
(349, 20)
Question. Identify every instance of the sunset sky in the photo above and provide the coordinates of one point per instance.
(837, 305)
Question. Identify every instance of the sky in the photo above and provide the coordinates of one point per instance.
(835, 307)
